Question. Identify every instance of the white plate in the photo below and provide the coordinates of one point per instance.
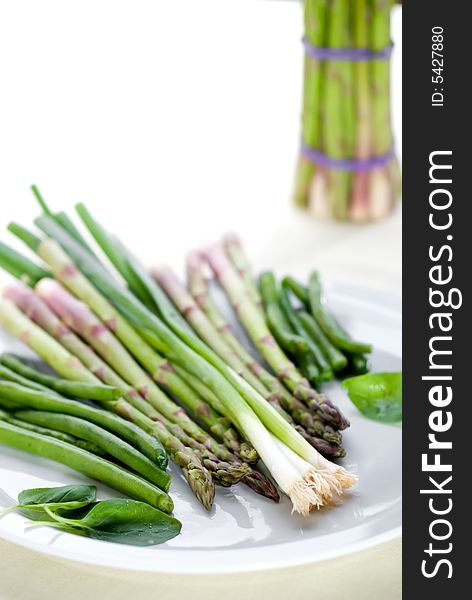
(245, 532)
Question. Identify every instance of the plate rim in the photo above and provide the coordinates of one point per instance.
(265, 564)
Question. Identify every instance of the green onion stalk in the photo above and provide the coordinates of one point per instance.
(346, 113)
(202, 325)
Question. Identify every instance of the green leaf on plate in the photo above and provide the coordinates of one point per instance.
(123, 521)
(377, 396)
(66, 497)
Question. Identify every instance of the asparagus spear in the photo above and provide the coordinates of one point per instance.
(85, 462)
(264, 341)
(359, 209)
(381, 185)
(225, 474)
(315, 26)
(236, 254)
(337, 102)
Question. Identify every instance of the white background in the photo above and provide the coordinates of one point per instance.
(175, 121)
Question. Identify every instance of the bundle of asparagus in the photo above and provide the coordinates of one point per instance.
(347, 168)
(197, 391)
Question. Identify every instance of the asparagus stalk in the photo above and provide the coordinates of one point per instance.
(236, 254)
(359, 209)
(225, 474)
(315, 25)
(306, 489)
(337, 102)
(136, 345)
(67, 365)
(265, 343)
(383, 182)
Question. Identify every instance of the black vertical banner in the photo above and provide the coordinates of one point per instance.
(437, 268)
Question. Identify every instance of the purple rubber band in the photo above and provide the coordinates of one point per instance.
(350, 54)
(347, 164)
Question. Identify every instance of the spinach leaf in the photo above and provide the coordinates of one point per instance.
(377, 396)
(39, 513)
(64, 497)
(123, 521)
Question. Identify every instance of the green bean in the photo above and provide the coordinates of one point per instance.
(300, 291)
(336, 358)
(109, 442)
(276, 320)
(86, 463)
(326, 372)
(64, 437)
(77, 389)
(310, 369)
(42, 400)
(9, 375)
(357, 364)
(328, 324)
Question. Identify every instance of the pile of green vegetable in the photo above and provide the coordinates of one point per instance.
(347, 168)
(161, 370)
